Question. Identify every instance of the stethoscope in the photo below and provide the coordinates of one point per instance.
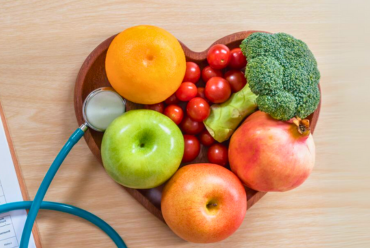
(100, 108)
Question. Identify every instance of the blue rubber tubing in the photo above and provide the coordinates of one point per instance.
(36, 203)
(70, 210)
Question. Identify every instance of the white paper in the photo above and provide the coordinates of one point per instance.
(11, 223)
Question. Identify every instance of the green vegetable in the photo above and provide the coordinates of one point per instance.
(282, 78)
(225, 117)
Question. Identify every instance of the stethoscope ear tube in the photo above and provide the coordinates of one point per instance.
(38, 203)
(61, 207)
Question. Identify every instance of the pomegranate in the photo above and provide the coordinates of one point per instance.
(271, 155)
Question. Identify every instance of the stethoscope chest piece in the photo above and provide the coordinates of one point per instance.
(101, 107)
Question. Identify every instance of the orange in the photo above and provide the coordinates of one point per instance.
(145, 64)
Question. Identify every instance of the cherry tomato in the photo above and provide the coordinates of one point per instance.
(217, 90)
(237, 59)
(191, 149)
(205, 138)
(217, 154)
(198, 109)
(156, 107)
(192, 73)
(218, 56)
(189, 126)
(175, 113)
(172, 99)
(236, 80)
(186, 91)
(208, 72)
(201, 94)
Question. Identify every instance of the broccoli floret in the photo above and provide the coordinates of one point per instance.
(292, 48)
(307, 102)
(295, 80)
(260, 45)
(281, 105)
(264, 75)
(280, 68)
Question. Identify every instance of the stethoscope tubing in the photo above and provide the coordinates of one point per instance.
(61, 207)
(35, 205)
(50, 174)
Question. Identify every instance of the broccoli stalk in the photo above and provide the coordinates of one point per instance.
(282, 78)
(225, 117)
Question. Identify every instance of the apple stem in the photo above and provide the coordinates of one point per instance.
(212, 204)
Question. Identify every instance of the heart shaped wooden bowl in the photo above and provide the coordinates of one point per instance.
(92, 76)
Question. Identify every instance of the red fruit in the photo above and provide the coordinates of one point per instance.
(198, 109)
(192, 73)
(189, 126)
(202, 94)
(217, 154)
(217, 90)
(186, 91)
(204, 203)
(237, 59)
(156, 107)
(218, 56)
(236, 80)
(271, 155)
(206, 139)
(192, 148)
(172, 100)
(175, 113)
(208, 73)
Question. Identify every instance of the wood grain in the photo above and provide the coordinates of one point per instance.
(92, 76)
(44, 43)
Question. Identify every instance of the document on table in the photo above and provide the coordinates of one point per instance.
(11, 223)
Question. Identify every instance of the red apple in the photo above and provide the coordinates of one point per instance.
(204, 203)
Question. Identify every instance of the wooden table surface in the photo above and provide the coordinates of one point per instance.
(43, 44)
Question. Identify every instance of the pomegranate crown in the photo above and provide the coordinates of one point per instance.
(303, 126)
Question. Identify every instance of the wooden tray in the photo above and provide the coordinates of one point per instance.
(92, 76)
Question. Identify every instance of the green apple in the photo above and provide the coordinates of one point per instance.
(142, 149)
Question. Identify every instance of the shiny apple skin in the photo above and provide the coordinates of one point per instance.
(188, 193)
(142, 149)
(270, 155)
